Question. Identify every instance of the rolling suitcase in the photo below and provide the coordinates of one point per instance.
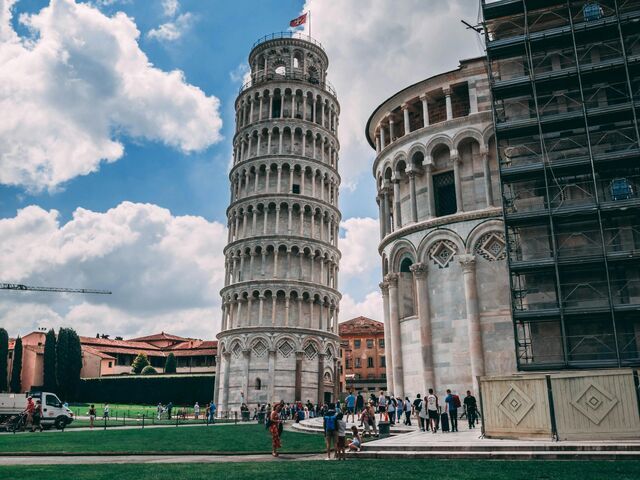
(444, 422)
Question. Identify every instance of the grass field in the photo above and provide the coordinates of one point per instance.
(405, 469)
(222, 438)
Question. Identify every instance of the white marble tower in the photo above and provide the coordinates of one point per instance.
(279, 337)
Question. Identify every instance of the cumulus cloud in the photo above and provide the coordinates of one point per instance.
(176, 27)
(370, 306)
(165, 271)
(77, 85)
(378, 47)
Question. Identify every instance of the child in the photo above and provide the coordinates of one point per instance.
(341, 425)
(356, 442)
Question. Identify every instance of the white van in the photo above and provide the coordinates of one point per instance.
(54, 413)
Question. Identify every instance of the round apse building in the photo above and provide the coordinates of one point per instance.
(279, 336)
(445, 285)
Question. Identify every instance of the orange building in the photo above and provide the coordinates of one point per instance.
(362, 359)
(102, 356)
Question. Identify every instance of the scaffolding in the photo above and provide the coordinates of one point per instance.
(565, 83)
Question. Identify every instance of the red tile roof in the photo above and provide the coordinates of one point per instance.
(361, 325)
(87, 348)
(159, 336)
(108, 342)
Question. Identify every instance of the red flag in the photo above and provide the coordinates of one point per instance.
(301, 20)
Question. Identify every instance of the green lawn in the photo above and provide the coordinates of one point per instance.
(404, 469)
(226, 438)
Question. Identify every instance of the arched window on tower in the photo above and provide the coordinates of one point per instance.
(406, 289)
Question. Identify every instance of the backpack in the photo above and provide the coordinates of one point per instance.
(456, 401)
(330, 422)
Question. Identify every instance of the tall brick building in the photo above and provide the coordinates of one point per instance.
(362, 359)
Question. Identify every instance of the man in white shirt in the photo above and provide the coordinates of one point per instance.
(432, 410)
(382, 405)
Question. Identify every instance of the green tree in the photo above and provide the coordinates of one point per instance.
(16, 369)
(139, 363)
(170, 364)
(50, 382)
(149, 370)
(4, 359)
(68, 362)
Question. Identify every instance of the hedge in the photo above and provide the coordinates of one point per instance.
(148, 389)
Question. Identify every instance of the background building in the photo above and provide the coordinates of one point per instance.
(565, 81)
(362, 359)
(279, 337)
(103, 356)
(445, 288)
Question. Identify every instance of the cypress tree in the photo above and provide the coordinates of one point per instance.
(62, 361)
(4, 359)
(16, 369)
(139, 363)
(170, 364)
(75, 364)
(50, 383)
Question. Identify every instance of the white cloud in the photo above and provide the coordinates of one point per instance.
(173, 30)
(170, 7)
(370, 306)
(165, 271)
(378, 47)
(77, 85)
(359, 246)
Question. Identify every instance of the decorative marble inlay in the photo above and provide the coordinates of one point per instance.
(285, 349)
(442, 253)
(515, 404)
(595, 403)
(328, 354)
(259, 348)
(310, 351)
(492, 247)
(236, 350)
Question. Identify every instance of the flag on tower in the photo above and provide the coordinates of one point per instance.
(301, 20)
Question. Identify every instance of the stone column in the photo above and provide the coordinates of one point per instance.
(396, 343)
(336, 380)
(261, 310)
(396, 201)
(407, 123)
(298, 378)
(320, 378)
(431, 195)
(246, 356)
(473, 97)
(268, 173)
(268, 153)
(457, 163)
(388, 348)
(385, 196)
(272, 377)
(424, 317)
(226, 363)
(412, 194)
(383, 142)
(425, 111)
(488, 189)
(468, 263)
(380, 199)
(391, 132)
(447, 97)
(378, 144)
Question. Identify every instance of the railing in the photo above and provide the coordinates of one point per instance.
(262, 78)
(280, 35)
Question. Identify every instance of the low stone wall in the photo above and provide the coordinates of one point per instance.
(581, 405)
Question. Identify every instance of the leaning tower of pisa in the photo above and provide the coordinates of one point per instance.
(280, 300)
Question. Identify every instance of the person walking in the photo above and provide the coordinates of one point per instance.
(359, 403)
(382, 407)
(159, 410)
(399, 409)
(350, 403)
(329, 426)
(169, 408)
(391, 409)
(341, 425)
(31, 407)
(369, 419)
(105, 414)
(407, 411)
(432, 410)
(196, 411)
(471, 409)
(423, 417)
(37, 417)
(274, 428)
(452, 402)
(417, 406)
(92, 415)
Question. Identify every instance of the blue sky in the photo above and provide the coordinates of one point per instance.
(113, 169)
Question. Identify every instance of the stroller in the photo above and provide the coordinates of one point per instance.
(15, 423)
